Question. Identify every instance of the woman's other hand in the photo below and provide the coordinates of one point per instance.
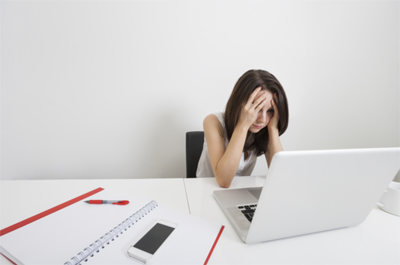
(273, 122)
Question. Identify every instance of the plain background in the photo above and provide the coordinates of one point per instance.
(108, 89)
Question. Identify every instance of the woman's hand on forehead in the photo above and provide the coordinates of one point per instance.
(268, 95)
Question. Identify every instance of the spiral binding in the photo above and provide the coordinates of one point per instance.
(110, 236)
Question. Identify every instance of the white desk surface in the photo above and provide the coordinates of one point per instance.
(375, 241)
(21, 199)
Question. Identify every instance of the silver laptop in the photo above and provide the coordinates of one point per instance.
(310, 191)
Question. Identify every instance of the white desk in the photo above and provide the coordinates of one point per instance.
(375, 241)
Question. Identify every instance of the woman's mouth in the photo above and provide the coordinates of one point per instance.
(257, 126)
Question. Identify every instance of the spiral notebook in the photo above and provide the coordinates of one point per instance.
(79, 233)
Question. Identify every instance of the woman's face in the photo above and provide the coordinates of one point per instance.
(265, 114)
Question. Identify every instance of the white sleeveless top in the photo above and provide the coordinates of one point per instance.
(204, 168)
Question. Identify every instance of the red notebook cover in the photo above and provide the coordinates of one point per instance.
(48, 212)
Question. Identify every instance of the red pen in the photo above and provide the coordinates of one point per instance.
(107, 202)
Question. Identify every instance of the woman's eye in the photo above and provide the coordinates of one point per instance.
(270, 111)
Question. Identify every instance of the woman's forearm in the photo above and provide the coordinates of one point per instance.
(228, 164)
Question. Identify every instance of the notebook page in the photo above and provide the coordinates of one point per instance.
(56, 238)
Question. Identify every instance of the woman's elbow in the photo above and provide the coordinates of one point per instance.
(224, 185)
(223, 182)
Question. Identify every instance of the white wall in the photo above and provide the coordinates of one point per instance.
(108, 89)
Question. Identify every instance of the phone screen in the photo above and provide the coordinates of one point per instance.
(153, 239)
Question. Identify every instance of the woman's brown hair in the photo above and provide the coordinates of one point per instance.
(246, 84)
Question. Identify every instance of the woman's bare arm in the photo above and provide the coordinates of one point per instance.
(225, 161)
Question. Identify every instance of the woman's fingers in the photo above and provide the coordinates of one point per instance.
(260, 97)
(276, 113)
(275, 118)
(260, 102)
(254, 104)
(252, 96)
(275, 98)
(273, 105)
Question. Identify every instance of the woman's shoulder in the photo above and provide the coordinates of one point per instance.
(211, 119)
(214, 121)
(215, 117)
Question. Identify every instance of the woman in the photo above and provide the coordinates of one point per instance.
(255, 116)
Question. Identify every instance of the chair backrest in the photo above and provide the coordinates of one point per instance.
(194, 147)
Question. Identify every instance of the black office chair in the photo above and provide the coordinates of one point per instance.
(194, 147)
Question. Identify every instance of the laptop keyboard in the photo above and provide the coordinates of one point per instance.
(248, 210)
